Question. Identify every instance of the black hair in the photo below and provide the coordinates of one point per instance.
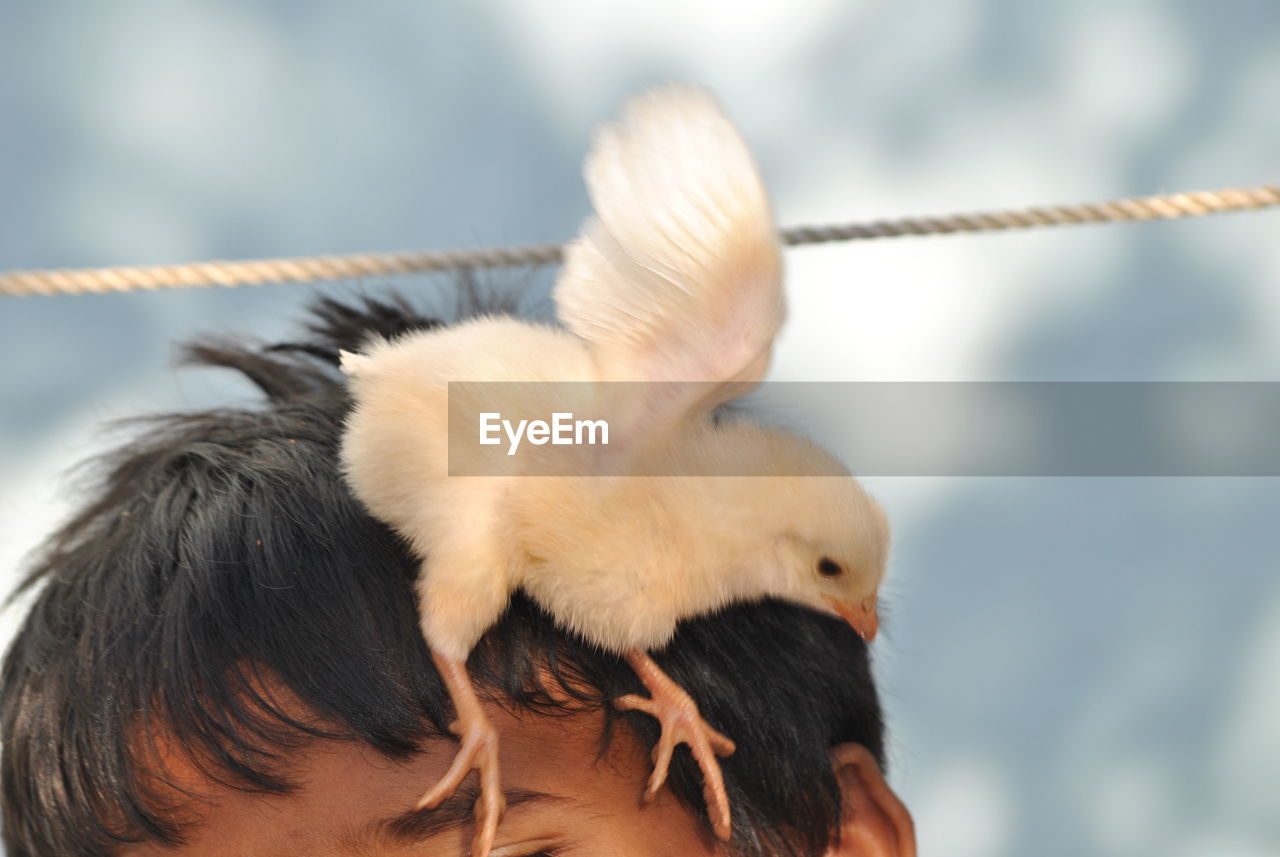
(221, 548)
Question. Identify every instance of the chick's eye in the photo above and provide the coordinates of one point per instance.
(828, 567)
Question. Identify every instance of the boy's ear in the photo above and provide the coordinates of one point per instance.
(873, 821)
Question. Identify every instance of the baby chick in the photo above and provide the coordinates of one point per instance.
(676, 282)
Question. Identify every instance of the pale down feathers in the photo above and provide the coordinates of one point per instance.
(678, 277)
(670, 299)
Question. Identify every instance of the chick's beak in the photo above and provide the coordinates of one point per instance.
(861, 617)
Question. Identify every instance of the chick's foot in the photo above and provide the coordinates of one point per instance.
(479, 751)
(682, 723)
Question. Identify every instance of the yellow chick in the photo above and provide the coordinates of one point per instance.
(676, 286)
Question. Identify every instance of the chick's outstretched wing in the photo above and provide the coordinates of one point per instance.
(678, 277)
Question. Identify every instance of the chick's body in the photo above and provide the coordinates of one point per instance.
(617, 559)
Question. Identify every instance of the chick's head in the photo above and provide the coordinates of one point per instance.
(805, 529)
(831, 547)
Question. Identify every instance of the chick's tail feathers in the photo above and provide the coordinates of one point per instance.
(352, 363)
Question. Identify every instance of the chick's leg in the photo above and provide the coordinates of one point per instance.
(681, 724)
(479, 750)
(462, 591)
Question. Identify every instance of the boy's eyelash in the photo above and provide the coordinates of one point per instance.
(555, 850)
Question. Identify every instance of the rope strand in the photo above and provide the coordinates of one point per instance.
(322, 268)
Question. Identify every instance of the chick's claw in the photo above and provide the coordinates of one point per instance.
(479, 751)
(489, 806)
(681, 724)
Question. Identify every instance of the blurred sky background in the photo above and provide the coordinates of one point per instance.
(1070, 666)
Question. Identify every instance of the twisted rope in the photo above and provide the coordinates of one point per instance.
(319, 268)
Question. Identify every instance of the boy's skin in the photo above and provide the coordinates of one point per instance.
(563, 801)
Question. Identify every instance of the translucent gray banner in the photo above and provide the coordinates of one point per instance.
(875, 429)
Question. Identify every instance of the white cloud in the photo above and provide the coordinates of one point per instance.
(963, 809)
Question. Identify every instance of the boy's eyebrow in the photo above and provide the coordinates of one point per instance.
(416, 825)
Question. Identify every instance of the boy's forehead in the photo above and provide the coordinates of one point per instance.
(352, 800)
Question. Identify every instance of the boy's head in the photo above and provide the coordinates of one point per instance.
(224, 658)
